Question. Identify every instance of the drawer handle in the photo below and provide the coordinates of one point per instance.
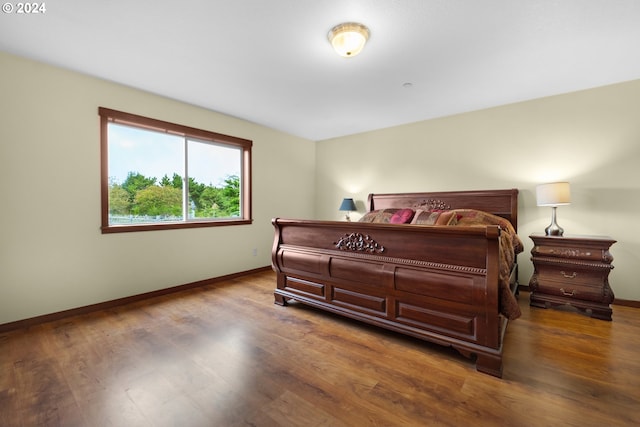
(569, 276)
(569, 294)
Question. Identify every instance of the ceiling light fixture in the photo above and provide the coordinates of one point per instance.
(349, 38)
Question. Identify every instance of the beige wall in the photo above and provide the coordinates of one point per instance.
(590, 138)
(52, 254)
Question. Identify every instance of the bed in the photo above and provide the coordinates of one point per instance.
(447, 273)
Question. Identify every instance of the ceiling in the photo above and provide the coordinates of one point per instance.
(270, 62)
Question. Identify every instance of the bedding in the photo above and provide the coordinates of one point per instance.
(511, 246)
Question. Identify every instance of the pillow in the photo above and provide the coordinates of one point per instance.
(379, 216)
(369, 216)
(402, 216)
(422, 217)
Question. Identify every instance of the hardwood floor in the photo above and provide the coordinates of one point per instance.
(225, 355)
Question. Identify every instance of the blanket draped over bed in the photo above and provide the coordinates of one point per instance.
(437, 266)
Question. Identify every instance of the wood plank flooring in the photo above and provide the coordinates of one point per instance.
(225, 355)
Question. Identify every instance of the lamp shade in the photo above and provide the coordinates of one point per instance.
(347, 205)
(553, 194)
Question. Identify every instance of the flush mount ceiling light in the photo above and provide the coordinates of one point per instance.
(349, 38)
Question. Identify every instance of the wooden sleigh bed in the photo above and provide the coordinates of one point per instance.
(449, 284)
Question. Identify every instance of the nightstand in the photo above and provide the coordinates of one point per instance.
(572, 270)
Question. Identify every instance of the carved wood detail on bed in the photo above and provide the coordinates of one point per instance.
(431, 205)
(437, 283)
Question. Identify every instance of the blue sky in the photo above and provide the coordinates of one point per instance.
(155, 154)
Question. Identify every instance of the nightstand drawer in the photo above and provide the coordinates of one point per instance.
(572, 290)
(597, 255)
(570, 276)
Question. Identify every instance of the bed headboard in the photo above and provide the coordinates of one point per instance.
(503, 203)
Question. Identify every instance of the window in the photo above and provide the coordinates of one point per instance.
(159, 175)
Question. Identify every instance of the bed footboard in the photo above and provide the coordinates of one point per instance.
(434, 283)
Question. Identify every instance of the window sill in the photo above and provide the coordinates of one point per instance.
(172, 226)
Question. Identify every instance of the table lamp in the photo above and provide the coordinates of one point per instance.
(349, 206)
(553, 194)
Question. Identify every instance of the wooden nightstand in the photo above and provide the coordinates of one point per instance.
(572, 270)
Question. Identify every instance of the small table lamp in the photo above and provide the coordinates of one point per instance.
(349, 206)
(554, 194)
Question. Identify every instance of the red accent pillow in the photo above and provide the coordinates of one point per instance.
(403, 216)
